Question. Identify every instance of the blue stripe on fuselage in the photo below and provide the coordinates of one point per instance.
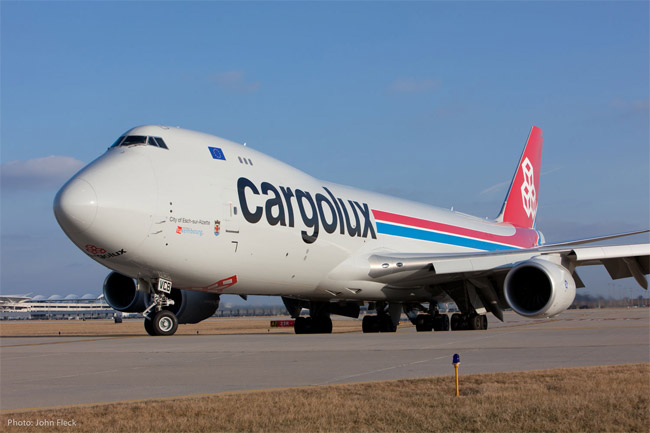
(443, 238)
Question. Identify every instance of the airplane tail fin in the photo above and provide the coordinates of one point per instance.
(520, 205)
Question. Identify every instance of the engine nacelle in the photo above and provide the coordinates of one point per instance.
(192, 307)
(122, 294)
(189, 306)
(539, 288)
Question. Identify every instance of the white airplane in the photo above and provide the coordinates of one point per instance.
(182, 217)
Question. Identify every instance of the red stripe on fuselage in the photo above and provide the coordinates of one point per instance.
(522, 238)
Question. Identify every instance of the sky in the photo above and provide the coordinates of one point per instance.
(429, 101)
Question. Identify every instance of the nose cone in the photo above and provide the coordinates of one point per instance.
(75, 206)
(107, 208)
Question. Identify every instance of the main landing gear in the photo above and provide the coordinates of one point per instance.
(318, 322)
(158, 321)
(378, 323)
(313, 325)
(386, 319)
(432, 322)
(458, 322)
(429, 319)
(468, 322)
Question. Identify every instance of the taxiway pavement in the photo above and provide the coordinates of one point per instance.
(56, 371)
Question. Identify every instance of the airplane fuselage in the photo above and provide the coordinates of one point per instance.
(215, 216)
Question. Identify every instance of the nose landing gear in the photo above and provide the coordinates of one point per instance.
(157, 320)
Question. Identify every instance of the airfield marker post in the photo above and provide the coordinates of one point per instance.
(456, 362)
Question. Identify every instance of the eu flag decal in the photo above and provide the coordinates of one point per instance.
(217, 153)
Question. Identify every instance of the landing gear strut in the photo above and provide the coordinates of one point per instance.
(158, 321)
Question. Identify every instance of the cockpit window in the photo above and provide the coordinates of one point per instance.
(118, 141)
(135, 140)
(157, 141)
(132, 140)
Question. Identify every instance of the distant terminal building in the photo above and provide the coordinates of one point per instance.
(16, 307)
(74, 307)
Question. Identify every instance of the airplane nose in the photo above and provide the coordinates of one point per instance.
(75, 206)
(109, 205)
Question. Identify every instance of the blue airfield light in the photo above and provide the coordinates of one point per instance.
(456, 359)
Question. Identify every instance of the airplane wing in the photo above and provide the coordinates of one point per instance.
(621, 261)
(487, 280)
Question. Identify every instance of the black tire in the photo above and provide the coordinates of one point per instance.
(423, 323)
(475, 322)
(445, 322)
(441, 322)
(300, 325)
(148, 326)
(164, 322)
(324, 325)
(386, 324)
(484, 322)
(456, 322)
(370, 324)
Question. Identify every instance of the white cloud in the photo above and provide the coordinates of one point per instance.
(411, 85)
(38, 173)
(234, 81)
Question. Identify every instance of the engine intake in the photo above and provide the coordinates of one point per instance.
(539, 288)
(122, 294)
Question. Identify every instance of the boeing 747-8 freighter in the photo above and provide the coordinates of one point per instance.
(182, 217)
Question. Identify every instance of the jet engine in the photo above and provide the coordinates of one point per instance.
(122, 294)
(539, 288)
(189, 306)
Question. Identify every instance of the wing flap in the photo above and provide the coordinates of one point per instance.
(610, 252)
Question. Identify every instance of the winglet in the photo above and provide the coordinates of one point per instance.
(520, 205)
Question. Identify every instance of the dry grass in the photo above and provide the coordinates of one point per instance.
(107, 328)
(592, 399)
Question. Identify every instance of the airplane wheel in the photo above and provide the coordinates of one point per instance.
(300, 325)
(386, 324)
(484, 322)
(370, 324)
(148, 326)
(441, 322)
(456, 322)
(164, 322)
(475, 322)
(322, 325)
(445, 322)
(423, 323)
